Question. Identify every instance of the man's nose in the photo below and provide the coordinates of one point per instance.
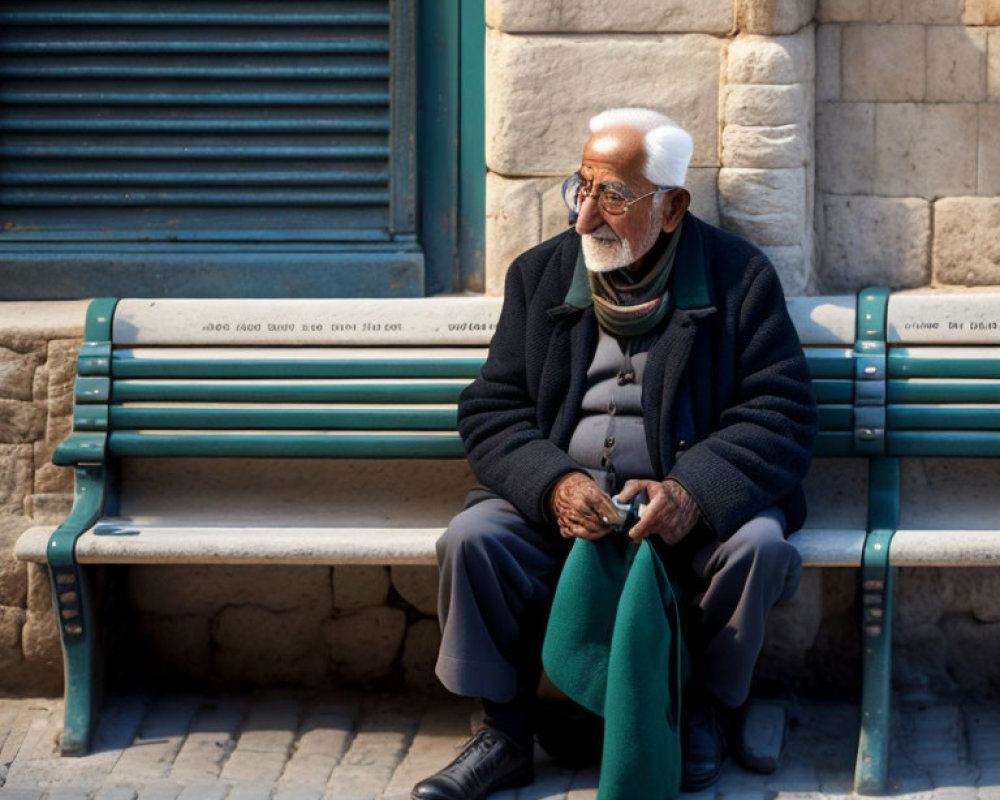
(589, 218)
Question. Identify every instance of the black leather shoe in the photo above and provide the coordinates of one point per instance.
(703, 748)
(490, 761)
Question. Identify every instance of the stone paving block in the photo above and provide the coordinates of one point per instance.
(989, 148)
(883, 62)
(956, 64)
(845, 148)
(591, 16)
(210, 741)
(535, 133)
(251, 791)
(966, 247)
(442, 731)
(14, 793)
(293, 793)
(69, 793)
(117, 793)
(204, 791)
(326, 732)
(772, 59)
(926, 150)
(161, 790)
(384, 735)
(160, 737)
(265, 741)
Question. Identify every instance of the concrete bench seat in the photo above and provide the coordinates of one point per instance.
(323, 432)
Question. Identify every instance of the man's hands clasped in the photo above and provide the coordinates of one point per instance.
(583, 511)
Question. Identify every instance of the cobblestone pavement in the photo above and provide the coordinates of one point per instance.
(301, 746)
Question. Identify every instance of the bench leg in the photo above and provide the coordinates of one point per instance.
(872, 769)
(80, 668)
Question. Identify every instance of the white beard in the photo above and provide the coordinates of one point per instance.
(605, 255)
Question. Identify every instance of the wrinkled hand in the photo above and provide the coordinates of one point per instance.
(581, 509)
(670, 513)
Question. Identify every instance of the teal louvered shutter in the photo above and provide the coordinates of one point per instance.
(217, 144)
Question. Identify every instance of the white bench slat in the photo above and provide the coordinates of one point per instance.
(945, 548)
(199, 544)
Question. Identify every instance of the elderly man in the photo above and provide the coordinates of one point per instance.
(644, 351)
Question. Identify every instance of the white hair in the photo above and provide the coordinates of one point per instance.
(668, 145)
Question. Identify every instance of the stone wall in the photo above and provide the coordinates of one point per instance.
(38, 343)
(908, 143)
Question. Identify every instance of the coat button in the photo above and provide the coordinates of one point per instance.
(609, 442)
(682, 444)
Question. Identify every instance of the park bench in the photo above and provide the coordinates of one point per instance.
(257, 432)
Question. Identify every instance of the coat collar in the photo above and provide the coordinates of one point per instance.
(691, 287)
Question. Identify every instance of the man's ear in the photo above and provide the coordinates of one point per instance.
(674, 208)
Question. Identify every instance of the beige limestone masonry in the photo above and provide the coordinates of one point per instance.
(883, 62)
(926, 150)
(534, 133)
(874, 241)
(828, 43)
(774, 17)
(778, 217)
(966, 246)
(981, 12)
(772, 59)
(989, 150)
(593, 16)
(956, 64)
(845, 148)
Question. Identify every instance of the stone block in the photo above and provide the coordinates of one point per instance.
(772, 59)
(514, 221)
(842, 10)
(922, 596)
(593, 16)
(357, 586)
(17, 373)
(21, 421)
(203, 589)
(828, 62)
(973, 652)
(40, 642)
(533, 133)
(933, 12)
(874, 241)
(11, 620)
(993, 67)
(420, 650)
(13, 574)
(364, 644)
(845, 148)
(772, 17)
(966, 245)
(176, 648)
(886, 10)
(61, 368)
(703, 184)
(50, 319)
(766, 147)
(50, 479)
(976, 591)
(925, 150)
(762, 104)
(418, 586)
(920, 658)
(981, 12)
(956, 64)
(256, 646)
(792, 626)
(989, 149)
(16, 473)
(766, 206)
(883, 62)
(39, 588)
(40, 384)
(44, 508)
(794, 265)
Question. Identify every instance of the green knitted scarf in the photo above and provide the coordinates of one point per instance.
(634, 309)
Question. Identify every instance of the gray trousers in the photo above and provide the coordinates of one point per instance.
(498, 574)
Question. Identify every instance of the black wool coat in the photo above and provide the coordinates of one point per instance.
(727, 403)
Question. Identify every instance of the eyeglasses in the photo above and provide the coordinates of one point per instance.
(575, 189)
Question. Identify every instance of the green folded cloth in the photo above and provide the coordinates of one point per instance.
(613, 645)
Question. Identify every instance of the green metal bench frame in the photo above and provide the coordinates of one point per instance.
(853, 387)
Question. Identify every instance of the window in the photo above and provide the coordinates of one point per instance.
(216, 148)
